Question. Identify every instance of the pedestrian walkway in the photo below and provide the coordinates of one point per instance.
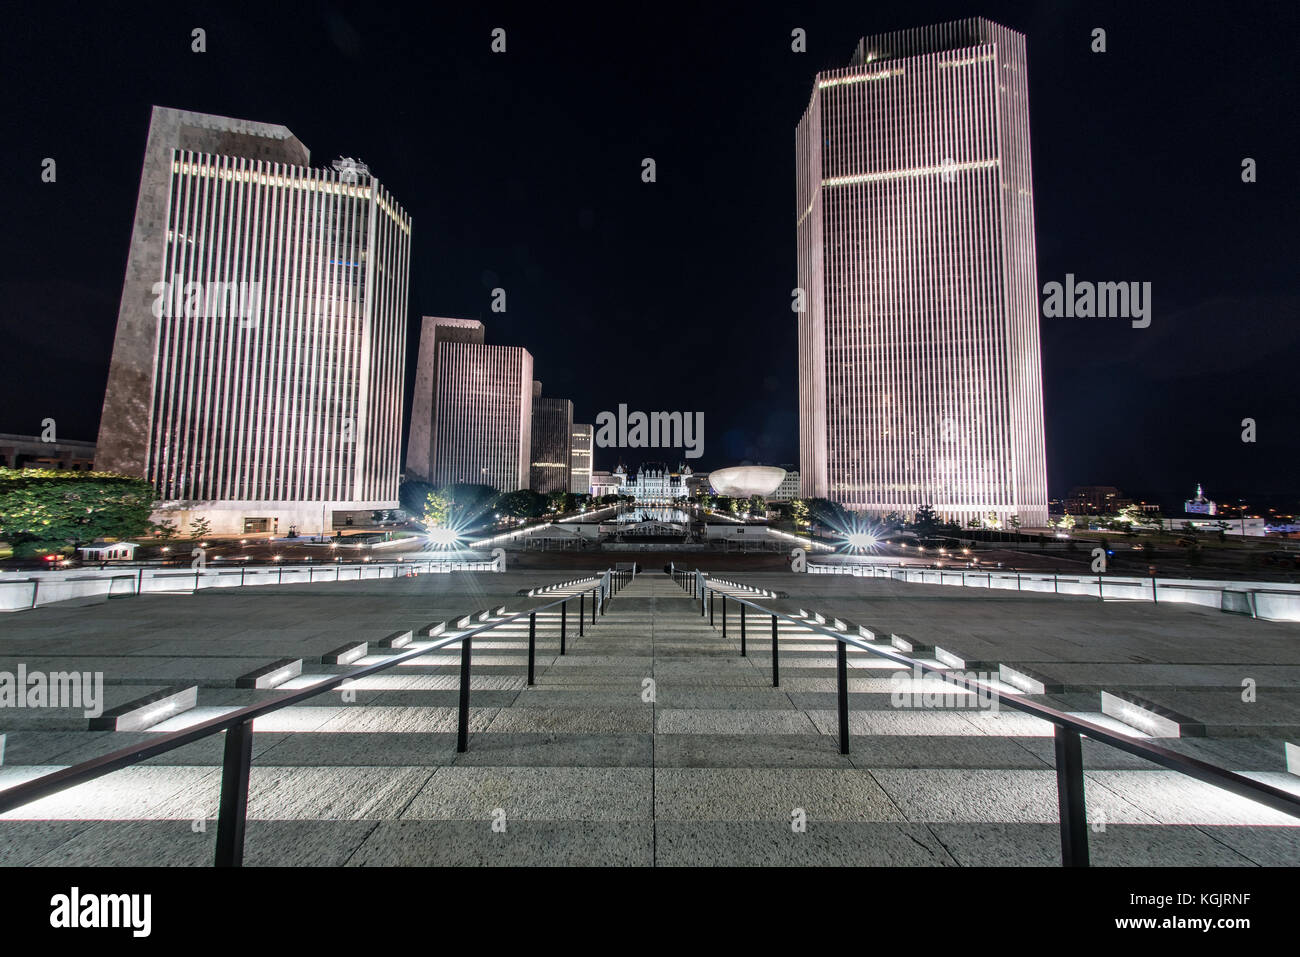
(651, 741)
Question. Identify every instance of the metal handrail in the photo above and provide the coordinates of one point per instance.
(1069, 761)
(238, 725)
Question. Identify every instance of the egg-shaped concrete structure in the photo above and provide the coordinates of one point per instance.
(743, 481)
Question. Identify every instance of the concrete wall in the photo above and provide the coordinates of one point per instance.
(23, 590)
(1276, 601)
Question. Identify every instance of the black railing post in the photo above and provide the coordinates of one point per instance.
(1069, 790)
(842, 685)
(713, 601)
(724, 614)
(462, 724)
(582, 613)
(776, 668)
(742, 630)
(564, 622)
(532, 645)
(233, 814)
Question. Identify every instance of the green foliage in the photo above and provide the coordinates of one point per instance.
(437, 509)
(412, 496)
(926, 521)
(200, 528)
(828, 513)
(43, 510)
(562, 502)
(799, 512)
(523, 503)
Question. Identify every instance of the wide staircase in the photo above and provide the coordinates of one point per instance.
(651, 740)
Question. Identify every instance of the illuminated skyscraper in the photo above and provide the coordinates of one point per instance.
(580, 459)
(471, 420)
(920, 378)
(552, 437)
(258, 366)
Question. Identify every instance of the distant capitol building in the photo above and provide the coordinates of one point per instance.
(1200, 505)
(654, 483)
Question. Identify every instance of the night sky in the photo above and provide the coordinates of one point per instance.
(522, 171)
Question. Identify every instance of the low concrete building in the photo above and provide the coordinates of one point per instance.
(33, 452)
(607, 483)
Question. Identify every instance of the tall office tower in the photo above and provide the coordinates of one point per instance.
(580, 459)
(471, 420)
(552, 433)
(920, 378)
(258, 367)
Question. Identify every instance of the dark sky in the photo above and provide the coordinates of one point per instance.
(523, 171)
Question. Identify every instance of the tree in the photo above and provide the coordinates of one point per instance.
(799, 512)
(412, 496)
(925, 520)
(756, 505)
(44, 510)
(470, 502)
(200, 528)
(437, 509)
(523, 503)
(831, 514)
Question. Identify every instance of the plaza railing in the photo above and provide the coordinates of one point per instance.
(1067, 729)
(57, 585)
(237, 758)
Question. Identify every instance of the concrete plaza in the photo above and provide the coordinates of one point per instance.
(652, 741)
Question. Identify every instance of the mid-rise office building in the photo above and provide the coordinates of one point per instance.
(1095, 500)
(580, 449)
(788, 490)
(471, 417)
(258, 365)
(919, 368)
(552, 433)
